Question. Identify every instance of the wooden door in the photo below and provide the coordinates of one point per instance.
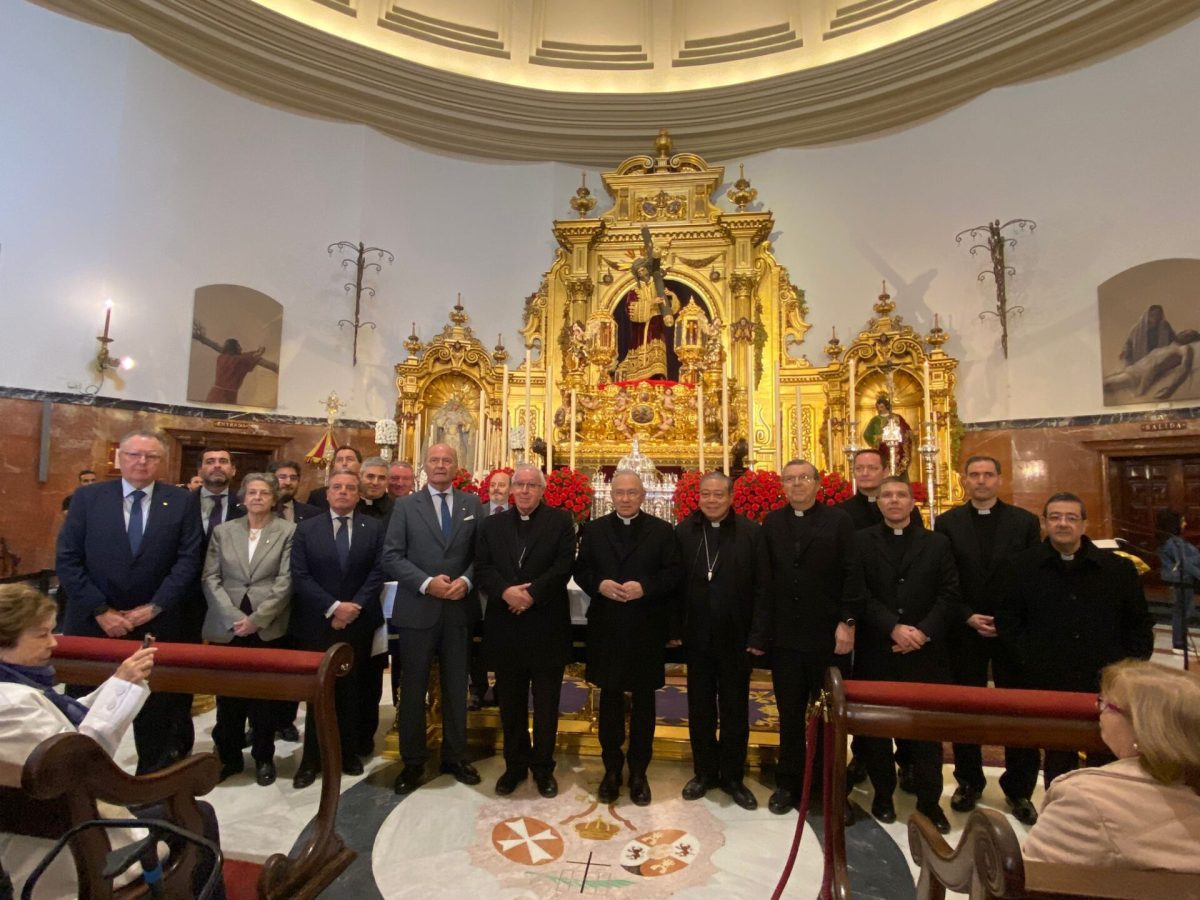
(1146, 484)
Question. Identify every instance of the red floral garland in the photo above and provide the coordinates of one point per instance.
(834, 489)
(464, 481)
(919, 492)
(687, 494)
(757, 493)
(485, 493)
(571, 490)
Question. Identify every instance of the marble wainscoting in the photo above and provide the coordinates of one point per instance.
(81, 431)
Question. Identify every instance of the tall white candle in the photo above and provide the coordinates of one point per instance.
(571, 428)
(799, 427)
(829, 439)
(416, 453)
(504, 418)
(700, 419)
(549, 413)
(928, 395)
(528, 409)
(851, 411)
(481, 434)
(724, 418)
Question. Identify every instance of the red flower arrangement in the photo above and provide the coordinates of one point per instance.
(464, 481)
(757, 493)
(687, 494)
(485, 493)
(569, 489)
(920, 494)
(834, 489)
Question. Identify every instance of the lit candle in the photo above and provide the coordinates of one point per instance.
(528, 410)
(725, 417)
(504, 418)
(928, 395)
(700, 418)
(108, 304)
(571, 427)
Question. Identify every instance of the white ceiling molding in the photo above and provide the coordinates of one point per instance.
(275, 58)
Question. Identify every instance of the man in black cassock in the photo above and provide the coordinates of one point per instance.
(628, 565)
(868, 475)
(523, 559)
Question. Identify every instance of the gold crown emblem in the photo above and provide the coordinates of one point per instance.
(596, 830)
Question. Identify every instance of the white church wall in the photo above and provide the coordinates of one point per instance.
(123, 175)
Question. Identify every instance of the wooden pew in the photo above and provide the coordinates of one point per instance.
(225, 671)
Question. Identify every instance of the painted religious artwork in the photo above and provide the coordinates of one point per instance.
(236, 335)
(452, 404)
(1150, 333)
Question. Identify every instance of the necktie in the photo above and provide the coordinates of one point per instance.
(498, 509)
(135, 521)
(214, 515)
(445, 517)
(341, 540)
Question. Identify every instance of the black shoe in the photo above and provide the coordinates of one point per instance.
(409, 779)
(639, 790)
(507, 783)
(264, 773)
(547, 785)
(698, 787)
(305, 775)
(463, 772)
(610, 787)
(740, 794)
(856, 772)
(351, 765)
(964, 798)
(884, 810)
(935, 815)
(288, 733)
(908, 782)
(229, 769)
(1023, 810)
(783, 801)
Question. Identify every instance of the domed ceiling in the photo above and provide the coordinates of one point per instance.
(584, 81)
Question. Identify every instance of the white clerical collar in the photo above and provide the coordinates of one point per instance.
(625, 520)
(897, 531)
(871, 499)
(523, 517)
(1066, 557)
(713, 524)
(986, 511)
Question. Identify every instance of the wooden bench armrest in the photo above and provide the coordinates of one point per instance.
(986, 863)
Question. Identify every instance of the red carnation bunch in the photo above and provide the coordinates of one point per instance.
(834, 489)
(485, 493)
(757, 493)
(464, 481)
(687, 494)
(569, 489)
(919, 492)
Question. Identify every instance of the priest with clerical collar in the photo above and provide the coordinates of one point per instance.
(719, 550)
(628, 566)
(863, 507)
(523, 559)
(912, 594)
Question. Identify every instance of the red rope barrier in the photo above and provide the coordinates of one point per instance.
(810, 746)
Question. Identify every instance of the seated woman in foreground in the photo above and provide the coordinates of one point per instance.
(1142, 811)
(31, 711)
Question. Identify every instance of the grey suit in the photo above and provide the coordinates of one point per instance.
(236, 586)
(266, 581)
(415, 551)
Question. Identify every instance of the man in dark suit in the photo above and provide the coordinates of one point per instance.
(345, 459)
(129, 556)
(1067, 610)
(373, 497)
(985, 532)
(214, 504)
(912, 590)
(499, 483)
(868, 475)
(720, 554)
(430, 553)
(523, 560)
(287, 473)
(336, 580)
(807, 611)
(629, 566)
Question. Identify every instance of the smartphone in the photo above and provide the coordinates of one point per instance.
(147, 640)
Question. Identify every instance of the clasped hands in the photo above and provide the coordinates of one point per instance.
(442, 587)
(907, 639)
(118, 623)
(622, 593)
(344, 613)
(518, 598)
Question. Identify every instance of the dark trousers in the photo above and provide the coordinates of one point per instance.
(796, 676)
(970, 656)
(1057, 762)
(451, 643)
(232, 712)
(514, 689)
(923, 757)
(479, 670)
(163, 731)
(356, 706)
(612, 730)
(718, 692)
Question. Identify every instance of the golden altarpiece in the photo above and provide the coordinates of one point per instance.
(669, 320)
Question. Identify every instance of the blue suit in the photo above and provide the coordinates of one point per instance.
(97, 568)
(319, 581)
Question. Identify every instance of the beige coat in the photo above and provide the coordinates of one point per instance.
(230, 574)
(1117, 815)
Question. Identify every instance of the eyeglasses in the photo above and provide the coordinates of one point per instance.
(1069, 518)
(633, 492)
(141, 457)
(525, 485)
(1103, 705)
(792, 479)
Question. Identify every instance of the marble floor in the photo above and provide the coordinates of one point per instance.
(463, 841)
